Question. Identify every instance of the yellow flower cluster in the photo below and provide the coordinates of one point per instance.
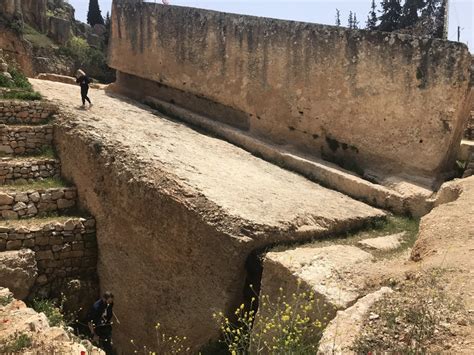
(285, 325)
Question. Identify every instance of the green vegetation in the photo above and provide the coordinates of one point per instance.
(18, 88)
(36, 38)
(52, 312)
(4, 300)
(285, 325)
(165, 344)
(17, 344)
(47, 183)
(92, 60)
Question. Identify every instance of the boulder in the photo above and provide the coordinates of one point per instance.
(18, 271)
(342, 331)
(385, 243)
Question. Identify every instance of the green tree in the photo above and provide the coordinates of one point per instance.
(94, 16)
(391, 15)
(355, 22)
(410, 12)
(350, 21)
(372, 17)
(108, 24)
(338, 18)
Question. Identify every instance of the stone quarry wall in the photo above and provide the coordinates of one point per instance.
(167, 248)
(33, 12)
(26, 112)
(28, 170)
(21, 140)
(378, 102)
(14, 205)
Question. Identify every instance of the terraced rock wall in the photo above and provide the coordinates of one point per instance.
(25, 112)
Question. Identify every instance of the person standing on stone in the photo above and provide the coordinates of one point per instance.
(100, 321)
(83, 80)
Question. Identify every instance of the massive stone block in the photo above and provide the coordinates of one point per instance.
(375, 102)
(178, 213)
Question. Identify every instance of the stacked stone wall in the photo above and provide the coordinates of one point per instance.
(21, 140)
(23, 171)
(26, 112)
(63, 251)
(14, 205)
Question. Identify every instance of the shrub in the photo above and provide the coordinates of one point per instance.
(17, 344)
(52, 312)
(165, 344)
(287, 327)
(5, 300)
(5, 82)
(20, 80)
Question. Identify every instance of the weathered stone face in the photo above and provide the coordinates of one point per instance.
(372, 101)
(18, 271)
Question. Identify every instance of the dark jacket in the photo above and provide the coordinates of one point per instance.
(84, 81)
(100, 313)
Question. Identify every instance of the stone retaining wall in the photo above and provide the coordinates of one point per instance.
(14, 205)
(22, 171)
(26, 112)
(21, 140)
(63, 250)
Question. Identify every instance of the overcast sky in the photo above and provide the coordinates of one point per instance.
(319, 11)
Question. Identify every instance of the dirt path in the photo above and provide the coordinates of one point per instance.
(243, 185)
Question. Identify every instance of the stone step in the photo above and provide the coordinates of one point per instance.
(36, 201)
(26, 112)
(25, 140)
(28, 170)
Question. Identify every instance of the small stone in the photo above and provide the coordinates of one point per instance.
(35, 197)
(6, 199)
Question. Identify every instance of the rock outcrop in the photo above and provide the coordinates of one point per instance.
(17, 320)
(18, 271)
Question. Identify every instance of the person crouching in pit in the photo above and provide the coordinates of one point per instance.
(83, 80)
(100, 322)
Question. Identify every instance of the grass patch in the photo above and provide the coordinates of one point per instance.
(416, 320)
(21, 95)
(18, 88)
(44, 184)
(18, 343)
(375, 229)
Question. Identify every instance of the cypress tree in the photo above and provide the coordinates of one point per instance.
(410, 12)
(338, 18)
(94, 15)
(372, 17)
(350, 20)
(391, 13)
(355, 22)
